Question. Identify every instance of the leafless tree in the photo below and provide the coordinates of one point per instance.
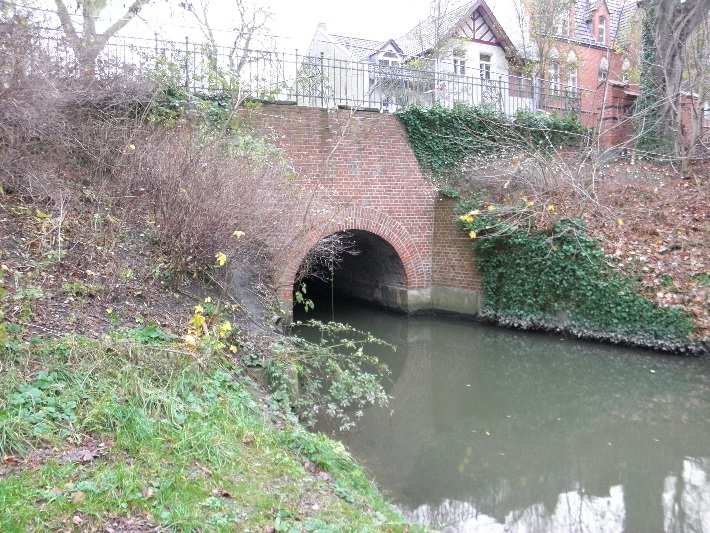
(87, 42)
(542, 23)
(676, 27)
(248, 21)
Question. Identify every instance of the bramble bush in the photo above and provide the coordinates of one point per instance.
(334, 377)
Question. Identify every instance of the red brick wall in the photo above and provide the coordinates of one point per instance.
(453, 257)
(366, 161)
(589, 59)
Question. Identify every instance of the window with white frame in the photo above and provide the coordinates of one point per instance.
(485, 66)
(572, 78)
(388, 59)
(459, 66)
(601, 30)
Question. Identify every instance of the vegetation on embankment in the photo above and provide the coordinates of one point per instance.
(137, 225)
(447, 141)
(126, 406)
(559, 278)
(133, 432)
(563, 240)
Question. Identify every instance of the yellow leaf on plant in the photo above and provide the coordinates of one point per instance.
(238, 234)
(208, 300)
(225, 329)
(221, 259)
(199, 310)
(233, 348)
(620, 221)
(551, 208)
(472, 235)
(198, 321)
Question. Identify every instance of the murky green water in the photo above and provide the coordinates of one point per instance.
(491, 430)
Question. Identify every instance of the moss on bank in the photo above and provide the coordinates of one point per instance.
(111, 432)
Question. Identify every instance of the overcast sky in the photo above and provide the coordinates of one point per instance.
(293, 21)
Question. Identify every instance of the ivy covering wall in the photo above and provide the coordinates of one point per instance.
(560, 278)
(444, 138)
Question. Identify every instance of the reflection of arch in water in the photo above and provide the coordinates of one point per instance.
(392, 439)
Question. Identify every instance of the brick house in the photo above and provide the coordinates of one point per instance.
(594, 50)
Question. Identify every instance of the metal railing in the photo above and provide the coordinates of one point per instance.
(317, 81)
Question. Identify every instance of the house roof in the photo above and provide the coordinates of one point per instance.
(502, 18)
(620, 15)
(358, 48)
(424, 35)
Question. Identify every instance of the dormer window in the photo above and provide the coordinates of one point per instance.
(563, 25)
(601, 30)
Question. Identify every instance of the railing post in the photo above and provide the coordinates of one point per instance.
(295, 77)
(322, 82)
(187, 63)
(501, 98)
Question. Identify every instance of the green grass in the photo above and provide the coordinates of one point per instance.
(189, 446)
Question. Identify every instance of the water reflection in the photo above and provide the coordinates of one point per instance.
(494, 430)
(686, 498)
(574, 511)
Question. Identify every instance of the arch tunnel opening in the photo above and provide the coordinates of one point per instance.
(351, 265)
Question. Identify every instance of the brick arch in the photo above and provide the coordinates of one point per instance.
(360, 219)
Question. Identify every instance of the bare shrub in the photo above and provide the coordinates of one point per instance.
(206, 199)
(197, 189)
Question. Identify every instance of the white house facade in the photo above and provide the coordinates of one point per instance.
(462, 56)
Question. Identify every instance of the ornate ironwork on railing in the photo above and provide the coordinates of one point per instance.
(318, 80)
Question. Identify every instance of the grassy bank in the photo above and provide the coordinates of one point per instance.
(115, 433)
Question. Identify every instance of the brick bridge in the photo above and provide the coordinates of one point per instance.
(412, 257)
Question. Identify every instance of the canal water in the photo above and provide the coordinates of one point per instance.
(493, 430)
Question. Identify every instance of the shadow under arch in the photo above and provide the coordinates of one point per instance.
(367, 268)
(392, 283)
